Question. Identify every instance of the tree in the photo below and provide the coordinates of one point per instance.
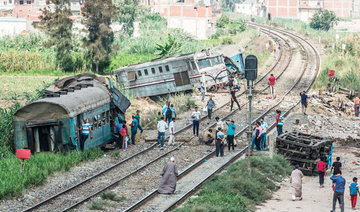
(323, 20)
(169, 47)
(97, 16)
(56, 22)
(222, 21)
(127, 13)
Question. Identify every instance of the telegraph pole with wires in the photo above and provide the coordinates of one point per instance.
(251, 65)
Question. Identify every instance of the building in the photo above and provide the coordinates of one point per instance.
(304, 9)
(193, 16)
(251, 7)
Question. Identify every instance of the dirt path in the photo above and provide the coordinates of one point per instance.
(316, 199)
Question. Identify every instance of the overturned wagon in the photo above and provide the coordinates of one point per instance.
(52, 122)
(304, 149)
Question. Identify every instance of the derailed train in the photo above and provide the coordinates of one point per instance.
(182, 73)
(52, 123)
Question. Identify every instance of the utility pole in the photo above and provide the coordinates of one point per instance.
(250, 76)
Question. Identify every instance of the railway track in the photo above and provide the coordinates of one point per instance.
(42, 205)
(155, 202)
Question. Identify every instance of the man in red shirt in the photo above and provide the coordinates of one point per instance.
(272, 81)
(321, 166)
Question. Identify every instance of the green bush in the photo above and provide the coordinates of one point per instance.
(7, 130)
(222, 21)
(236, 190)
(37, 168)
(226, 41)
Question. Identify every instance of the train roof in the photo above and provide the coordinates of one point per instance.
(157, 61)
(66, 105)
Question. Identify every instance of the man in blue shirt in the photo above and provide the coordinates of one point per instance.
(304, 101)
(134, 125)
(264, 127)
(230, 134)
(85, 131)
(339, 182)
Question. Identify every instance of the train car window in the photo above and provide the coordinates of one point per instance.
(182, 78)
(94, 123)
(153, 70)
(139, 73)
(107, 117)
(193, 65)
(131, 76)
(103, 118)
(160, 69)
(167, 68)
(146, 72)
(204, 63)
(215, 61)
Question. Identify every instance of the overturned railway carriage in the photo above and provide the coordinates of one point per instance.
(52, 123)
(180, 73)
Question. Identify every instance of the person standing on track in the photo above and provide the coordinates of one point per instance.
(296, 183)
(125, 136)
(161, 127)
(304, 101)
(258, 131)
(137, 116)
(134, 126)
(164, 109)
(117, 135)
(354, 191)
(230, 134)
(85, 130)
(234, 99)
(172, 132)
(210, 106)
(272, 81)
(196, 121)
(203, 91)
(169, 177)
(220, 138)
(173, 112)
(279, 122)
(264, 127)
(356, 106)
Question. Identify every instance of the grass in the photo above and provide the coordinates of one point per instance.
(37, 169)
(99, 205)
(235, 190)
(110, 195)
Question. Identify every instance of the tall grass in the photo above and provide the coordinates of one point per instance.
(37, 168)
(7, 131)
(236, 190)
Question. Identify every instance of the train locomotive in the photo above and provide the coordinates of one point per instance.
(181, 73)
(52, 123)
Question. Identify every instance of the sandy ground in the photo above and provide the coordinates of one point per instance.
(316, 199)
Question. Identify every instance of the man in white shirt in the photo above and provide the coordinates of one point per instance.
(196, 121)
(172, 132)
(161, 126)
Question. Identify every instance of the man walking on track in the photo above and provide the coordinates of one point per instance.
(172, 132)
(258, 133)
(304, 101)
(230, 134)
(161, 127)
(137, 116)
(272, 81)
(169, 177)
(321, 166)
(234, 99)
(210, 106)
(203, 91)
(134, 126)
(356, 106)
(220, 138)
(196, 121)
(339, 191)
(296, 183)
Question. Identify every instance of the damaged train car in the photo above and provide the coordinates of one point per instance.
(180, 73)
(52, 123)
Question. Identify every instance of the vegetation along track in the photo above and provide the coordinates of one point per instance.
(194, 176)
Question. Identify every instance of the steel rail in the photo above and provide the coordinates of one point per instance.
(183, 197)
(121, 179)
(87, 179)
